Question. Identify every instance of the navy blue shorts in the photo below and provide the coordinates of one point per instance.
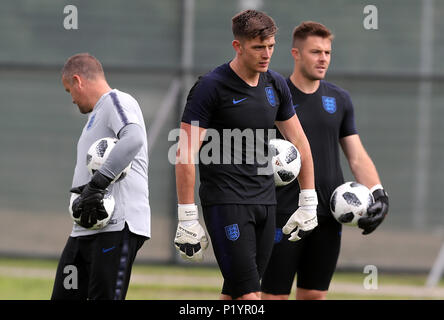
(96, 267)
(312, 258)
(242, 240)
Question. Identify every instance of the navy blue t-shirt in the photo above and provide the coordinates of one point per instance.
(326, 116)
(223, 102)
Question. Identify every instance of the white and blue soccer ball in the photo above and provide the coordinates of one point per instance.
(349, 202)
(97, 154)
(286, 161)
(108, 203)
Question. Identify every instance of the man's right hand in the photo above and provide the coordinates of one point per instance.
(88, 208)
(190, 240)
(304, 219)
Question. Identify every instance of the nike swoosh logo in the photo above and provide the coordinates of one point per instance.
(107, 250)
(237, 101)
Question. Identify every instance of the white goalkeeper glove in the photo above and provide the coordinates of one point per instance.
(304, 219)
(190, 240)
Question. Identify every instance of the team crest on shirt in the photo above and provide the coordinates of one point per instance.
(232, 232)
(270, 96)
(329, 104)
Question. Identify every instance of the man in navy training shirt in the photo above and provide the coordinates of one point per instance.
(238, 199)
(327, 116)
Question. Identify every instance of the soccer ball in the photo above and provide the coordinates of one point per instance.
(97, 154)
(286, 161)
(349, 202)
(108, 203)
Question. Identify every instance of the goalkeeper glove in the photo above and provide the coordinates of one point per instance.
(304, 219)
(376, 212)
(88, 208)
(190, 240)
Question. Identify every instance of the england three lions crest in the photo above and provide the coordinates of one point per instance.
(329, 104)
(270, 96)
(232, 232)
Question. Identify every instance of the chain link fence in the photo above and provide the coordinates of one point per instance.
(156, 49)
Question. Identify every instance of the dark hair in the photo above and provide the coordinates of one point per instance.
(250, 24)
(310, 28)
(82, 64)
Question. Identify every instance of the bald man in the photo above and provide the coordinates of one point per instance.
(101, 260)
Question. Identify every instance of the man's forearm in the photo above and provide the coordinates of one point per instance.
(129, 144)
(292, 130)
(365, 172)
(185, 181)
(306, 174)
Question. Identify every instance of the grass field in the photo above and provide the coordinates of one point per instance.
(27, 279)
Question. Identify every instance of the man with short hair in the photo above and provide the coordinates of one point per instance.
(103, 258)
(327, 117)
(238, 200)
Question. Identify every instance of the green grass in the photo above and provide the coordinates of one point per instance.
(25, 288)
(23, 279)
(187, 270)
(28, 263)
(395, 279)
(350, 296)
(169, 292)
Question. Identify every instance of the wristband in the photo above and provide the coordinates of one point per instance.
(187, 212)
(378, 191)
(308, 197)
(376, 187)
(100, 181)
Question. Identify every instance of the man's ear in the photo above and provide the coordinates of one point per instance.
(237, 46)
(77, 81)
(295, 53)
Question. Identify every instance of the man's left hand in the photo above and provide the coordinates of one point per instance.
(376, 212)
